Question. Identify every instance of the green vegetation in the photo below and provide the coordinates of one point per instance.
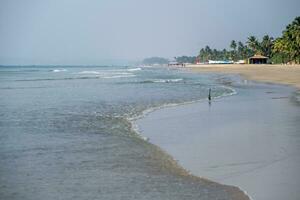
(281, 50)
(287, 47)
(238, 51)
(155, 60)
(186, 59)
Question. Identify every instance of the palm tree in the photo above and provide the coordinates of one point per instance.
(241, 50)
(208, 53)
(215, 54)
(266, 45)
(202, 55)
(233, 47)
(253, 44)
(289, 43)
(280, 49)
(293, 34)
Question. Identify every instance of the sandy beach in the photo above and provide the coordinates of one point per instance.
(249, 140)
(284, 74)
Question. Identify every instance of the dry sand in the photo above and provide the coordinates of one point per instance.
(284, 74)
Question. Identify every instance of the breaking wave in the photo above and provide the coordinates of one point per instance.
(59, 70)
(163, 80)
(134, 69)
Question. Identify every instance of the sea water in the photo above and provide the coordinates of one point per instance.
(65, 133)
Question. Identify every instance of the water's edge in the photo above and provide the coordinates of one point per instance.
(135, 128)
(293, 94)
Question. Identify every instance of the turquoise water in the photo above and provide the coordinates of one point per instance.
(65, 133)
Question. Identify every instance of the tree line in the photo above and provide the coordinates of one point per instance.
(284, 49)
(280, 50)
(287, 47)
(155, 60)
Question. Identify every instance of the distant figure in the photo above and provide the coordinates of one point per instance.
(209, 95)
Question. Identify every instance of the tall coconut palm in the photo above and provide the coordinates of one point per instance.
(294, 36)
(266, 45)
(208, 53)
(215, 54)
(202, 55)
(254, 44)
(291, 40)
(224, 54)
(233, 47)
(241, 50)
(280, 49)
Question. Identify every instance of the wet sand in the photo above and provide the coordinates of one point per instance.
(284, 74)
(250, 140)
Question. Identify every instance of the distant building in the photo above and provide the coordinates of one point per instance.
(258, 59)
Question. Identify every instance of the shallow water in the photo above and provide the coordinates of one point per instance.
(65, 133)
(250, 140)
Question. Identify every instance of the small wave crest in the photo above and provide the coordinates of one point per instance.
(80, 77)
(134, 69)
(106, 74)
(89, 72)
(163, 80)
(120, 76)
(59, 70)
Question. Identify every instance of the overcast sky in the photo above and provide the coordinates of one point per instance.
(102, 31)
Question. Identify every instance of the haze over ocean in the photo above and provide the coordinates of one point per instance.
(117, 32)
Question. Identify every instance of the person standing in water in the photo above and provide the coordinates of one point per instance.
(209, 95)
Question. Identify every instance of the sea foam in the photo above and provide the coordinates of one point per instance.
(59, 70)
(134, 69)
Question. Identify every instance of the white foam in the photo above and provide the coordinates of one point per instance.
(59, 70)
(122, 73)
(144, 113)
(233, 92)
(167, 105)
(88, 72)
(106, 74)
(167, 80)
(120, 76)
(134, 69)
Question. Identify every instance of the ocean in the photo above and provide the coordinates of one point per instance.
(66, 132)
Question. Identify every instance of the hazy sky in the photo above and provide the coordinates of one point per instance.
(98, 31)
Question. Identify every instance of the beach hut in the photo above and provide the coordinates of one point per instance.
(258, 59)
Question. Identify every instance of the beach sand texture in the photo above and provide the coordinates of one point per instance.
(284, 74)
(250, 140)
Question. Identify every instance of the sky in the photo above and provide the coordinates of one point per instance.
(97, 32)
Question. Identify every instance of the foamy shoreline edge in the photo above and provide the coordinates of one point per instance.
(145, 113)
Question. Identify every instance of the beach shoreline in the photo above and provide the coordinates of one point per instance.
(184, 149)
(281, 74)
